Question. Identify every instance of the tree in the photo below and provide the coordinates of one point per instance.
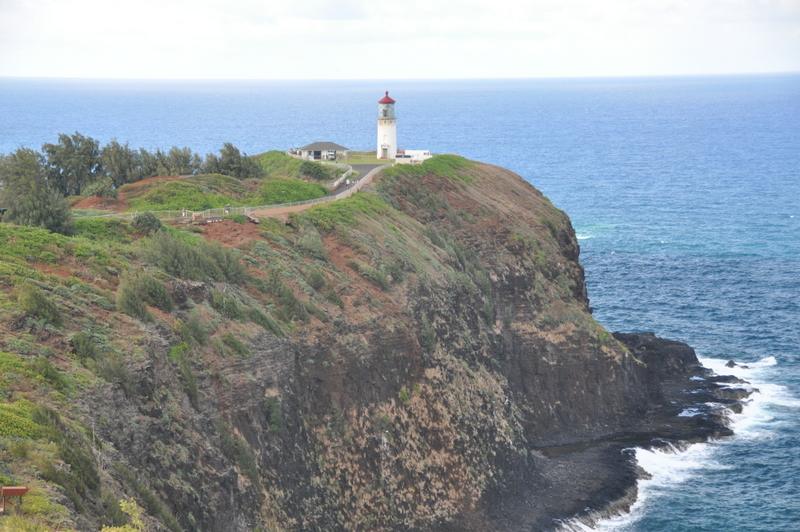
(233, 163)
(121, 163)
(181, 161)
(73, 163)
(31, 199)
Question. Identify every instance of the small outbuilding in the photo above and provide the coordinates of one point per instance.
(325, 151)
(411, 156)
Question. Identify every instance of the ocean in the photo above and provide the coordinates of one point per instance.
(684, 193)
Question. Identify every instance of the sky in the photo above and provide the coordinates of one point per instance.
(408, 39)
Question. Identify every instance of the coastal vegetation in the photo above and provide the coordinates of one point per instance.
(38, 188)
(389, 361)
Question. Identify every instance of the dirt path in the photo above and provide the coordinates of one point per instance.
(366, 173)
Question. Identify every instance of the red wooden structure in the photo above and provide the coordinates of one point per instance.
(13, 491)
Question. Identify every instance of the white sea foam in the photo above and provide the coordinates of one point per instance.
(670, 467)
(583, 237)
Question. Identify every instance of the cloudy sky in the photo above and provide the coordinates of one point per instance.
(408, 39)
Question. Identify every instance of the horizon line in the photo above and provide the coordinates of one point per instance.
(499, 78)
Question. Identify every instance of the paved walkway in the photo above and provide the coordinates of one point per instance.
(365, 174)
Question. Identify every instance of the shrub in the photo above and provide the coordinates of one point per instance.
(193, 261)
(34, 301)
(291, 308)
(332, 297)
(315, 171)
(151, 503)
(266, 321)
(272, 409)
(102, 188)
(50, 373)
(237, 346)
(309, 243)
(403, 396)
(226, 305)
(197, 329)
(83, 346)
(238, 218)
(137, 289)
(146, 223)
(371, 274)
(315, 279)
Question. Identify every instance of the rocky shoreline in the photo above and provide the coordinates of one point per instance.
(689, 404)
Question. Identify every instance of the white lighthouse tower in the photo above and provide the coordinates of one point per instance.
(387, 129)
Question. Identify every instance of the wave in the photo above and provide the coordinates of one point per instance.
(666, 469)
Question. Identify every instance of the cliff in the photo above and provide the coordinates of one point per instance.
(421, 356)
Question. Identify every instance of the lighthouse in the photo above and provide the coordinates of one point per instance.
(387, 129)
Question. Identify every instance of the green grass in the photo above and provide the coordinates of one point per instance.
(29, 242)
(278, 164)
(342, 212)
(442, 165)
(276, 191)
(364, 157)
(103, 229)
(177, 195)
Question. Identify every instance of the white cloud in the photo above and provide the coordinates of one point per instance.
(420, 38)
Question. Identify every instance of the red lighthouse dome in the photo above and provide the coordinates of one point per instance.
(386, 99)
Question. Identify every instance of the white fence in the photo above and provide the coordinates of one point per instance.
(224, 211)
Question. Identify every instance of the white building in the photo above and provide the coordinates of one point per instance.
(387, 129)
(325, 151)
(411, 156)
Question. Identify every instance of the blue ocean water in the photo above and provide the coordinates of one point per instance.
(684, 192)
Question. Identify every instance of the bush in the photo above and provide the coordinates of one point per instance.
(238, 218)
(371, 274)
(266, 321)
(193, 261)
(34, 301)
(102, 188)
(146, 223)
(315, 279)
(138, 289)
(237, 346)
(332, 297)
(272, 409)
(197, 329)
(83, 346)
(226, 305)
(291, 308)
(315, 171)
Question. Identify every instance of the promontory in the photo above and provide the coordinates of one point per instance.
(420, 356)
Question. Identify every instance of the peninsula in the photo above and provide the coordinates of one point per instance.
(418, 356)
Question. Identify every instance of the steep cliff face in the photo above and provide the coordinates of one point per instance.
(419, 357)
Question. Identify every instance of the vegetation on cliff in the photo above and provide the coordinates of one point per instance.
(38, 187)
(394, 360)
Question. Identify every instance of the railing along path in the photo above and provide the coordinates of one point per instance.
(261, 210)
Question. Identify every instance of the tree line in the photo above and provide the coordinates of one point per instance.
(34, 185)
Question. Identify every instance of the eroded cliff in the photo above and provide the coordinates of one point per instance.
(421, 356)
